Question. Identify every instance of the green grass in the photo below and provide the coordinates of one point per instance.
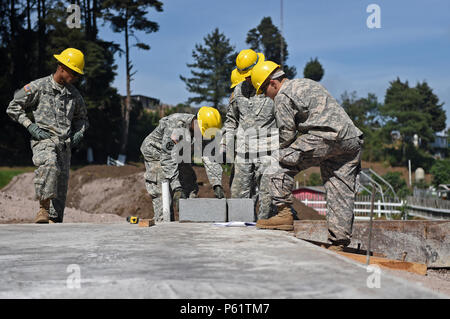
(7, 174)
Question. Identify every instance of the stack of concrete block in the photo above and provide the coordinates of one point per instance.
(216, 210)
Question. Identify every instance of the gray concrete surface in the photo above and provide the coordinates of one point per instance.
(180, 260)
(241, 209)
(203, 210)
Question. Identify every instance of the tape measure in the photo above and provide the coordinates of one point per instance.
(132, 219)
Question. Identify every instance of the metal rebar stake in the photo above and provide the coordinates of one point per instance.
(372, 200)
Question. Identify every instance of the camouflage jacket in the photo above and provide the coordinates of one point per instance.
(251, 118)
(304, 106)
(58, 109)
(165, 141)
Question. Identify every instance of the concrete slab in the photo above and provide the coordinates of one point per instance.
(203, 210)
(180, 260)
(241, 209)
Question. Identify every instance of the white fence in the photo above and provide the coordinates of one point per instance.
(428, 208)
(362, 208)
(432, 209)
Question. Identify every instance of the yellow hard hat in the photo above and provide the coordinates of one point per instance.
(72, 58)
(246, 60)
(261, 72)
(209, 121)
(236, 78)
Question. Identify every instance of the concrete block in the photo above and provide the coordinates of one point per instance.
(240, 210)
(203, 210)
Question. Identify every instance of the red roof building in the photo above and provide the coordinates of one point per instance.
(307, 194)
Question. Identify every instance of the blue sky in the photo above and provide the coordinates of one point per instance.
(413, 43)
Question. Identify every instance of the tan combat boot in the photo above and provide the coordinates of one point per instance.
(283, 220)
(42, 215)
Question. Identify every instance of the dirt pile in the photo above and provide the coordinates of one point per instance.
(15, 210)
(105, 190)
(306, 213)
(121, 190)
(110, 189)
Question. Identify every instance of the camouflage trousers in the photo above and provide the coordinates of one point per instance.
(340, 165)
(52, 174)
(251, 181)
(153, 183)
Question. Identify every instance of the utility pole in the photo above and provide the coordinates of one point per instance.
(281, 33)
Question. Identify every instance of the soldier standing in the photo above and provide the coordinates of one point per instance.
(328, 138)
(251, 119)
(60, 121)
(162, 160)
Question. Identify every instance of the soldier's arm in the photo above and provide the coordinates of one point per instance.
(231, 122)
(169, 163)
(23, 100)
(80, 122)
(285, 115)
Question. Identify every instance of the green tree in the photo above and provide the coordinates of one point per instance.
(313, 70)
(142, 122)
(365, 113)
(130, 16)
(213, 63)
(403, 111)
(441, 172)
(266, 38)
(430, 105)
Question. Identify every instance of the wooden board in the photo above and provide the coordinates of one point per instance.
(146, 222)
(416, 268)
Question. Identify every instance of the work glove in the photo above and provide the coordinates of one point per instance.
(76, 139)
(218, 191)
(37, 133)
(177, 194)
(193, 194)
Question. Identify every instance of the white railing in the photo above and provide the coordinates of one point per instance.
(362, 208)
(432, 209)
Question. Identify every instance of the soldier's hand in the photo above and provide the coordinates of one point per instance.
(76, 139)
(218, 191)
(37, 133)
(177, 194)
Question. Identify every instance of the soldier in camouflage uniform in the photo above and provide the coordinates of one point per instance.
(160, 150)
(251, 119)
(60, 121)
(314, 131)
